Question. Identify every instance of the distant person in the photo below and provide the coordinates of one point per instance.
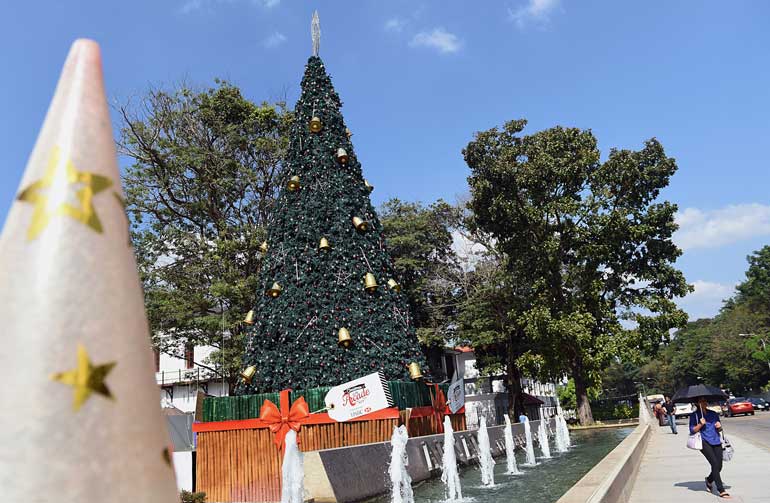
(707, 423)
(669, 406)
(523, 418)
(658, 410)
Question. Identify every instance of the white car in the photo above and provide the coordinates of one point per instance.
(683, 410)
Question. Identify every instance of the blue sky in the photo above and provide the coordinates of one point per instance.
(418, 78)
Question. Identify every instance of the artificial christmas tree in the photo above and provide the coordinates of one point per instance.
(330, 309)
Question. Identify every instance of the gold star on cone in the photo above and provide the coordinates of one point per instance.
(49, 195)
(85, 379)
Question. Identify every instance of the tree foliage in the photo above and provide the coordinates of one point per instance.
(586, 240)
(727, 350)
(199, 191)
(420, 241)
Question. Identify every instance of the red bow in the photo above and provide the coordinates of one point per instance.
(439, 407)
(287, 418)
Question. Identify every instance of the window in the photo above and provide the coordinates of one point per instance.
(189, 354)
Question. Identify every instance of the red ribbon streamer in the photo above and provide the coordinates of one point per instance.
(281, 421)
(438, 402)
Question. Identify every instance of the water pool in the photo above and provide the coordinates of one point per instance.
(544, 483)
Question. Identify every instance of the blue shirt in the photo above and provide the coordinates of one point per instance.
(709, 431)
(523, 418)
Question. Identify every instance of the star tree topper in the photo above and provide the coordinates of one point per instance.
(315, 33)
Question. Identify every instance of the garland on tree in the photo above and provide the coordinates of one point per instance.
(330, 309)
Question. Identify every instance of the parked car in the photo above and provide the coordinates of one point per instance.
(759, 403)
(739, 405)
(653, 399)
(683, 409)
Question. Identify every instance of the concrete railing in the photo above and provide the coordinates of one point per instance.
(611, 480)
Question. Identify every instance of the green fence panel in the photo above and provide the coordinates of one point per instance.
(406, 394)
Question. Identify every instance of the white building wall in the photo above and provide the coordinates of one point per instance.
(183, 468)
(179, 385)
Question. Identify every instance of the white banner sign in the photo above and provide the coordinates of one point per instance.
(358, 397)
(456, 395)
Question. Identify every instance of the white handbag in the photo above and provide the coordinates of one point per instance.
(727, 449)
(695, 441)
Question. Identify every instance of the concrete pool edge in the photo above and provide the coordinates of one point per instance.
(611, 479)
(359, 472)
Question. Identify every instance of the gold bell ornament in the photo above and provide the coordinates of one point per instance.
(249, 319)
(348, 133)
(370, 283)
(368, 186)
(274, 290)
(343, 338)
(393, 285)
(324, 244)
(360, 225)
(414, 371)
(293, 184)
(315, 124)
(263, 247)
(248, 374)
(342, 156)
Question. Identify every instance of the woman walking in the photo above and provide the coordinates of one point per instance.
(706, 422)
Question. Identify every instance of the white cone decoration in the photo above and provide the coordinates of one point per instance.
(81, 411)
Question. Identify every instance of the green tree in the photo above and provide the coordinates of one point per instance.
(488, 323)
(755, 290)
(420, 241)
(294, 341)
(715, 351)
(589, 238)
(199, 191)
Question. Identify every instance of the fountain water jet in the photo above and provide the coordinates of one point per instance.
(292, 472)
(530, 447)
(542, 436)
(399, 477)
(485, 455)
(565, 431)
(449, 474)
(562, 441)
(510, 448)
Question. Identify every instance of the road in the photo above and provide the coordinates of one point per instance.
(755, 429)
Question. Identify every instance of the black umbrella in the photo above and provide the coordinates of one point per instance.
(694, 393)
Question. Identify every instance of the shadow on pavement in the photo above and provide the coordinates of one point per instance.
(696, 485)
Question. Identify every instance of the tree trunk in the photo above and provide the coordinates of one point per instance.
(581, 393)
(515, 396)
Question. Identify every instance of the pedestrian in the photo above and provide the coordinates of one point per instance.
(523, 418)
(669, 406)
(706, 422)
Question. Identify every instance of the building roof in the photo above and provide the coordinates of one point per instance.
(531, 400)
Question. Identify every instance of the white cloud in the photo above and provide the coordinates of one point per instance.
(274, 40)
(713, 228)
(535, 11)
(395, 24)
(190, 6)
(195, 5)
(438, 39)
(706, 300)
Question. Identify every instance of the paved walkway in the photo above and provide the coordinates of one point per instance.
(670, 472)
